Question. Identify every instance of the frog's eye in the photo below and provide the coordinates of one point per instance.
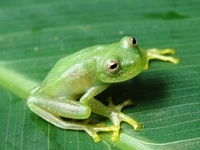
(134, 42)
(112, 66)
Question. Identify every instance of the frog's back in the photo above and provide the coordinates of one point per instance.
(69, 61)
(76, 60)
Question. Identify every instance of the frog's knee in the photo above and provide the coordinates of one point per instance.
(84, 114)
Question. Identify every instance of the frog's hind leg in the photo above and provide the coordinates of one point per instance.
(155, 53)
(71, 124)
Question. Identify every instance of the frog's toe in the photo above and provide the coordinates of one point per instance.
(120, 106)
(117, 116)
(137, 126)
(94, 135)
(101, 127)
(126, 103)
(96, 138)
(115, 136)
(175, 60)
(155, 53)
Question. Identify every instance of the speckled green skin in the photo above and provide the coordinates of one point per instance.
(70, 87)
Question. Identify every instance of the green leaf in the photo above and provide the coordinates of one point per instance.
(35, 34)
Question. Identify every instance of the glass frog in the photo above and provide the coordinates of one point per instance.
(69, 89)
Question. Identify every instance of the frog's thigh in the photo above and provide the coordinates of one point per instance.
(57, 121)
(59, 107)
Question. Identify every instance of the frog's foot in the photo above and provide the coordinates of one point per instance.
(155, 53)
(93, 129)
(117, 116)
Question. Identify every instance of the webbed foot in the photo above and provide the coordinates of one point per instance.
(117, 116)
(93, 129)
(155, 53)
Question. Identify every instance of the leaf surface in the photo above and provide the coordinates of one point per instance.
(35, 34)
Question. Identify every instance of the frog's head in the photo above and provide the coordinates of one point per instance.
(123, 61)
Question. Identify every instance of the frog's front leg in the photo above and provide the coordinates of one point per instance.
(112, 112)
(117, 116)
(155, 53)
(53, 109)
